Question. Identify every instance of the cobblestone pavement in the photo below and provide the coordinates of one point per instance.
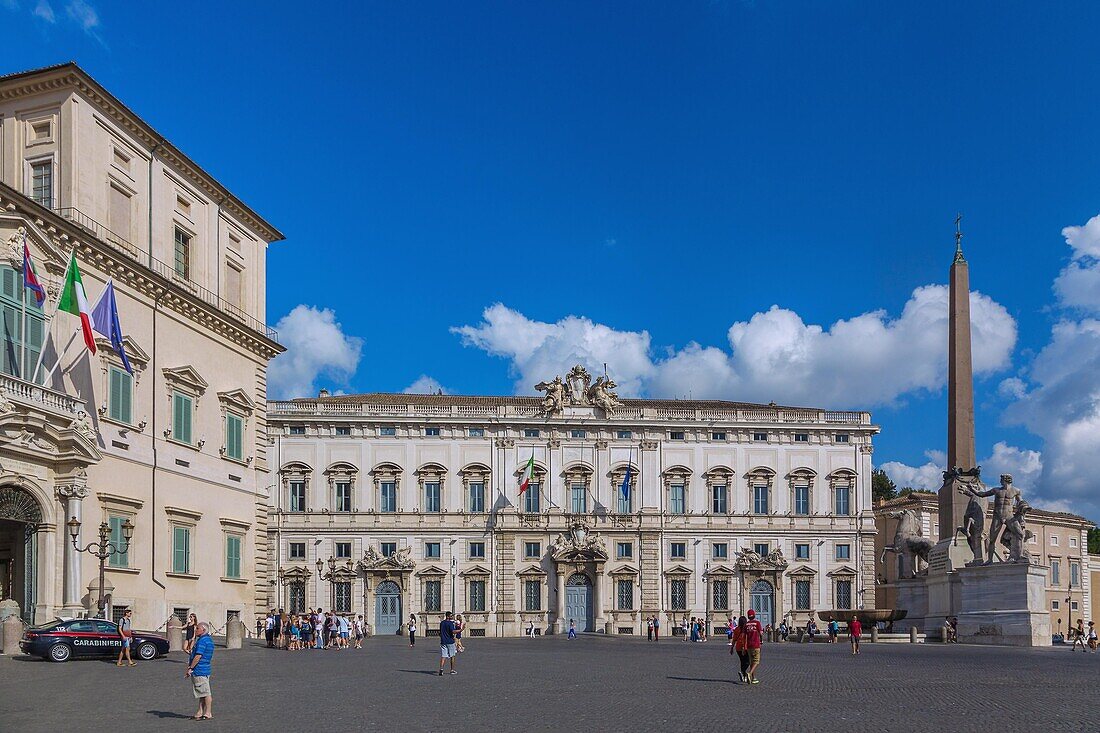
(590, 684)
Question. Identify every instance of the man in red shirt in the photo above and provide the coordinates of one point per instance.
(753, 634)
(855, 629)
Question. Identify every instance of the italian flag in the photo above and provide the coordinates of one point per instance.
(528, 471)
(74, 300)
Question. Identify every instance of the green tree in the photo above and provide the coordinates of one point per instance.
(882, 488)
(1094, 541)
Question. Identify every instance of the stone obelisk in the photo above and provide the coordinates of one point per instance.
(960, 390)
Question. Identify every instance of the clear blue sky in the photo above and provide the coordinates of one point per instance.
(671, 168)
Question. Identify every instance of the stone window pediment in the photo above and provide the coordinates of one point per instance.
(475, 571)
(577, 473)
(720, 571)
(431, 571)
(134, 354)
(534, 571)
(761, 474)
(679, 570)
(185, 378)
(625, 571)
(802, 571)
(176, 512)
(297, 573)
(719, 475)
(237, 399)
(386, 472)
(431, 473)
(842, 571)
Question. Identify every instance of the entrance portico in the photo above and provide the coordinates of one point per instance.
(579, 559)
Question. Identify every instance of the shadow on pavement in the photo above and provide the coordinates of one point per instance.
(701, 679)
(168, 714)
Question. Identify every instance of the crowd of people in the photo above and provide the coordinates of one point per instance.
(313, 629)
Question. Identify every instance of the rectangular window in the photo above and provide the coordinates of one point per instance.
(182, 253)
(1073, 542)
(234, 293)
(297, 496)
(1055, 572)
(843, 501)
(431, 497)
(624, 435)
(477, 497)
(802, 437)
(117, 612)
(432, 551)
(342, 501)
(532, 550)
(760, 437)
(624, 550)
(719, 504)
(181, 549)
(476, 551)
(717, 436)
(121, 398)
(387, 431)
(297, 430)
(577, 433)
(841, 438)
(232, 556)
(760, 499)
(676, 499)
(624, 595)
(844, 594)
(342, 550)
(1074, 575)
(431, 432)
(677, 592)
(119, 558)
(387, 499)
(531, 498)
(578, 499)
(388, 549)
(531, 433)
(623, 498)
(1054, 605)
(42, 183)
(476, 600)
(676, 435)
(120, 213)
(802, 595)
(343, 430)
(182, 413)
(720, 550)
(297, 551)
(532, 595)
(802, 500)
(802, 551)
(843, 552)
(234, 436)
(720, 595)
(677, 550)
(477, 433)
(343, 597)
(761, 548)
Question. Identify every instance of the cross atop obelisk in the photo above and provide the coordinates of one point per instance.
(960, 390)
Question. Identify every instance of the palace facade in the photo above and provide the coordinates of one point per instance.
(177, 449)
(394, 505)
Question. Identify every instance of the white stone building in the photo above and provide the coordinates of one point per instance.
(392, 504)
(179, 448)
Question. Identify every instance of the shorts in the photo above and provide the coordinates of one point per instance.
(446, 651)
(201, 685)
(126, 642)
(344, 635)
(754, 656)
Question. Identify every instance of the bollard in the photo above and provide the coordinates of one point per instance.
(13, 632)
(912, 634)
(234, 634)
(874, 634)
(175, 634)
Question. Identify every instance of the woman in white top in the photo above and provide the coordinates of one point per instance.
(412, 630)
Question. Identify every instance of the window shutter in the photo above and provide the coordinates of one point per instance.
(232, 557)
(181, 418)
(116, 395)
(126, 397)
(9, 280)
(179, 549)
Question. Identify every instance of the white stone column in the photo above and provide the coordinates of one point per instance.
(72, 492)
(559, 600)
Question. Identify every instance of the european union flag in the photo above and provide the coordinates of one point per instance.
(625, 488)
(105, 320)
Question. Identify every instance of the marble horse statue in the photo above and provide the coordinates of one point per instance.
(908, 541)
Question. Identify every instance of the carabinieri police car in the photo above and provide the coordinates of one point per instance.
(87, 637)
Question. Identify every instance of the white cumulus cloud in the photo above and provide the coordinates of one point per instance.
(1025, 465)
(864, 361)
(425, 385)
(1078, 285)
(316, 346)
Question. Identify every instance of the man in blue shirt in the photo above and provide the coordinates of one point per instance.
(447, 650)
(198, 669)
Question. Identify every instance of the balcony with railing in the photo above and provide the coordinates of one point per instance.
(16, 390)
(165, 270)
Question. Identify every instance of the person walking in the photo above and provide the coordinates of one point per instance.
(189, 632)
(834, 630)
(754, 633)
(198, 669)
(855, 630)
(358, 625)
(738, 646)
(649, 628)
(1091, 638)
(126, 631)
(412, 630)
(683, 629)
(269, 629)
(447, 649)
(572, 629)
(1079, 636)
(656, 628)
(458, 632)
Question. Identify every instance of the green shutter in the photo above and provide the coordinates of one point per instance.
(181, 550)
(232, 556)
(234, 430)
(181, 417)
(9, 280)
(119, 559)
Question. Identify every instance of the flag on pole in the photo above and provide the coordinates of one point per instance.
(625, 488)
(74, 300)
(30, 280)
(105, 322)
(528, 472)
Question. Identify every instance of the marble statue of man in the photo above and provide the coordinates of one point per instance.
(1005, 497)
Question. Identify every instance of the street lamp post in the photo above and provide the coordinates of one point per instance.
(102, 550)
(331, 576)
(454, 577)
(706, 584)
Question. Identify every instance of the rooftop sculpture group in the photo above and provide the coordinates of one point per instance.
(578, 389)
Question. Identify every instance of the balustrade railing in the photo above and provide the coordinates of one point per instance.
(22, 390)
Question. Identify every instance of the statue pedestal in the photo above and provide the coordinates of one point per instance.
(1004, 603)
(913, 598)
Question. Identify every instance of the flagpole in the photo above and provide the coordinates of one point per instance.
(46, 377)
(23, 315)
(49, 320)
